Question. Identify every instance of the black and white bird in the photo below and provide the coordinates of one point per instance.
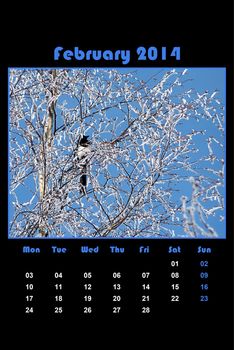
(83, 150)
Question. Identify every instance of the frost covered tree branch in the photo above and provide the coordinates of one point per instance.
(155, 166)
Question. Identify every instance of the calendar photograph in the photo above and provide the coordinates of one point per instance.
(116, 153)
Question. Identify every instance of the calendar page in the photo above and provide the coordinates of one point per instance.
(116, 185)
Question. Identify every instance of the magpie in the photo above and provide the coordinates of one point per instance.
(84, 148)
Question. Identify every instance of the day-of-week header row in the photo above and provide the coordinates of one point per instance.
(114, 249)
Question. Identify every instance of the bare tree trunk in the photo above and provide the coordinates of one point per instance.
(45, 152)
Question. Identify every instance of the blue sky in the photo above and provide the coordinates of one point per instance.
(200, 79)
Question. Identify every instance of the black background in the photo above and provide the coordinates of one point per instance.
(205, 37)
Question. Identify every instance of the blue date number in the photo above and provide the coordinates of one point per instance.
(153, 53)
